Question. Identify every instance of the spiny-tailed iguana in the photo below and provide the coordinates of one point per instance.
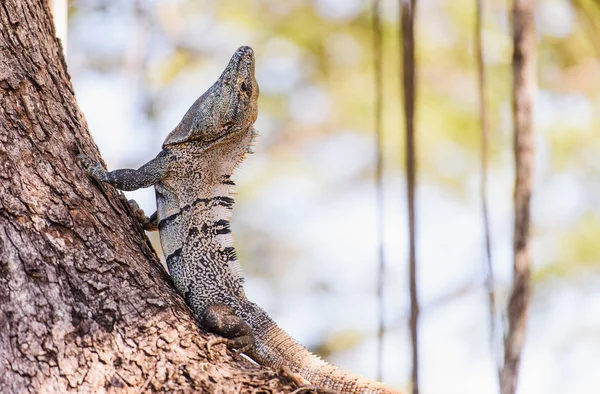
(192, 178)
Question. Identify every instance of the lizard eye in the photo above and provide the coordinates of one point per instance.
(227, 126)
(244, 87)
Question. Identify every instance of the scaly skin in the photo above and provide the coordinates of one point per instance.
(192, 178)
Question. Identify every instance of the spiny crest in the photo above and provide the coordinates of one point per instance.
(252, 141)
(248, 149)
(233, 263)
(236, 268)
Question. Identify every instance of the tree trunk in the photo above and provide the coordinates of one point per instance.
(85, 305)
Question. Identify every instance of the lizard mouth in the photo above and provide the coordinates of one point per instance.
(228, 131)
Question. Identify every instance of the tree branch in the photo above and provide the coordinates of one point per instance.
(407, 18)
(523, 89)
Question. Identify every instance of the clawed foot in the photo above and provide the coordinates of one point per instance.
(294, 377)
(92, 168)
(230, 343)
(314, 389)
(149, 223)
(304, 386)
(237, 334)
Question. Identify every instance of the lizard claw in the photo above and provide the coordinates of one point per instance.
(217, 341)
(148, 223)
(304, 386)
(134, 206)
(85, 160)
(92, 168)
(314, 389)
(230, 343)
(293, 376)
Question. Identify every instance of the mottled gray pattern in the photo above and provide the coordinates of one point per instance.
(192, 177)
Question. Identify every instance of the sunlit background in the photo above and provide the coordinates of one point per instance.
(305, 214)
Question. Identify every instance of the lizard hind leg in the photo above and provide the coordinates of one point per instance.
(222, 320)
(149, 223)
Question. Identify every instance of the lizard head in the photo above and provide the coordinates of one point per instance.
(228, 107)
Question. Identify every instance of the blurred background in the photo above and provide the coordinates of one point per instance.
(305, 214)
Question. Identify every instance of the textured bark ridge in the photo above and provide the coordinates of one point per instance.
(85, 305)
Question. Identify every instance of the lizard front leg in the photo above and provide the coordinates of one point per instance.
(128, 179)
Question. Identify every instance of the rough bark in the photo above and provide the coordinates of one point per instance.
(523, 90)
(85, 305)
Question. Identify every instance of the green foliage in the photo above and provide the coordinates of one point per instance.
(333, 54)
(447, 110)
(577, 251)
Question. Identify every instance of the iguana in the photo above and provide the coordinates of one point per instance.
(192, 179)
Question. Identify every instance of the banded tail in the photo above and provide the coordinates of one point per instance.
(276, 349)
